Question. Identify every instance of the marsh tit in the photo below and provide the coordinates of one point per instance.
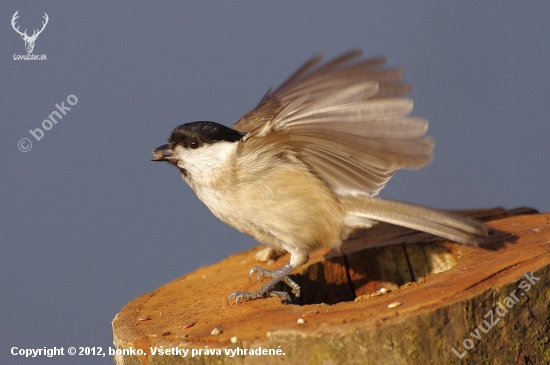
(303, 169)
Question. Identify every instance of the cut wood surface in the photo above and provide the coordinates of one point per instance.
(419, 300)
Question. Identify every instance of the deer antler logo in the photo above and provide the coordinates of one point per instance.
(29, 41)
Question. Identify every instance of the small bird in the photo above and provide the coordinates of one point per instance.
(304, 168)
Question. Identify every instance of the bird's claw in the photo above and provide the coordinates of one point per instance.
(240, 295)
(266, 290)
(261, 273)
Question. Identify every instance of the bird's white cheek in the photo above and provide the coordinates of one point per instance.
(205, 165)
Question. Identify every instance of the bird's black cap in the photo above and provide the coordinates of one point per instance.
(205, 132)
(194, 135)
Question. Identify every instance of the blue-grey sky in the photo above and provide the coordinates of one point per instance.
(88, 223)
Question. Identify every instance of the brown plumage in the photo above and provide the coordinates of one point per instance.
(346, 121)
(316, 152)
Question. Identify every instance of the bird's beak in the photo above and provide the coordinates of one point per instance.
(162, 153)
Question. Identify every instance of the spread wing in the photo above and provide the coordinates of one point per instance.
(345, 120)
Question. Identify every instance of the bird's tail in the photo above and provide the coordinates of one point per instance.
(362, 211)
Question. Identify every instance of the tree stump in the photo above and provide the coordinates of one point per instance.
(419, 300)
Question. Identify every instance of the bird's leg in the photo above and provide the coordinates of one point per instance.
(265, 291)
(296, 259)
(260, 272)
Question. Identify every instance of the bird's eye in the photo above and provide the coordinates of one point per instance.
(194, 144)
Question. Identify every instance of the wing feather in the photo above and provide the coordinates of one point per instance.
(364, 111)
(345, 120)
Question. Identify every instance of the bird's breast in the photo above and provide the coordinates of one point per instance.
(278, 204)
